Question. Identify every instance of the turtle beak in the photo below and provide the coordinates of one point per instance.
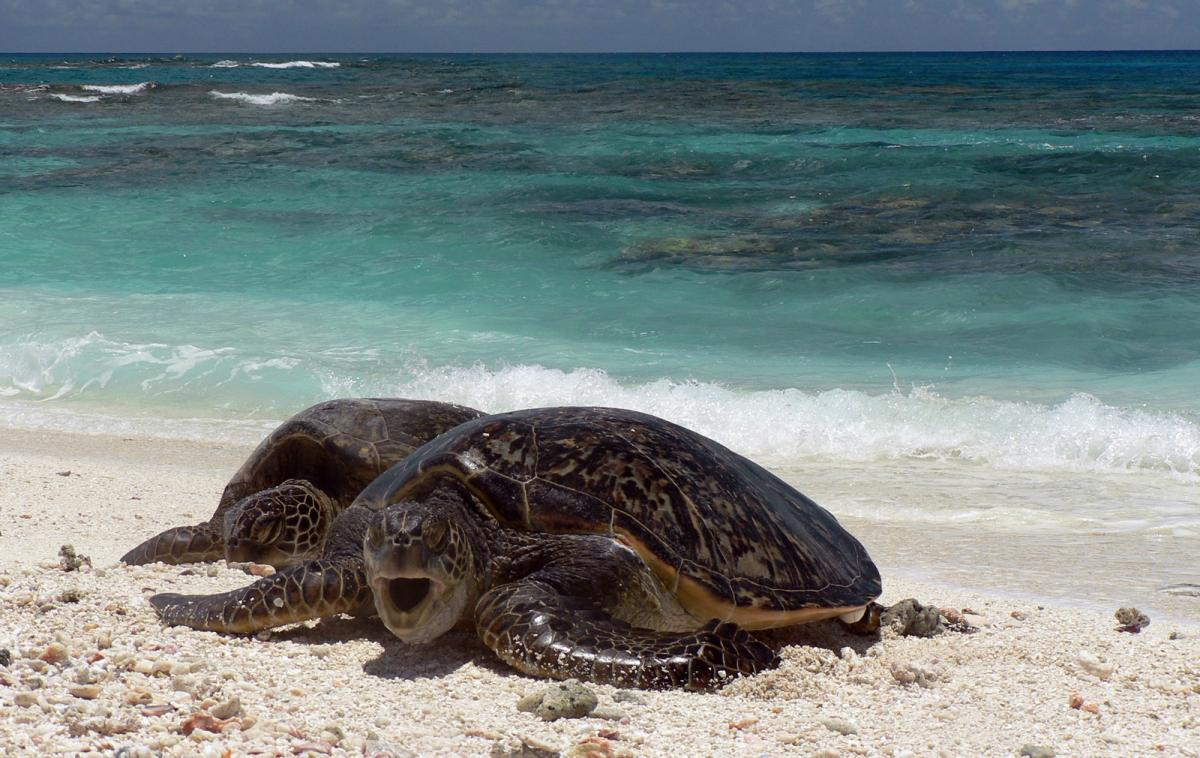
(403, 587)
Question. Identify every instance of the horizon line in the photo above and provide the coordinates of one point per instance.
(601, 52)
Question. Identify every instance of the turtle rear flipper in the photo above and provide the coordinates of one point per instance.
(314, 589)
(181, 544)
(539, 629)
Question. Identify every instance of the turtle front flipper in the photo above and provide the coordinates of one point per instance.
(314, 589)
(182, 544)
(538, 629)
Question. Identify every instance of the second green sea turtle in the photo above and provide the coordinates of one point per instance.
(280, 504)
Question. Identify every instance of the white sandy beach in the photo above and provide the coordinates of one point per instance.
(1056, 676)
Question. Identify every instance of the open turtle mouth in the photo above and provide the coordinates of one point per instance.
(407, 594)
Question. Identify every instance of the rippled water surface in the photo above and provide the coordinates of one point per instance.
(988, 261)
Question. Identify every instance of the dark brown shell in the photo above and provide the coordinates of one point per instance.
(707, 520)
(342, 445)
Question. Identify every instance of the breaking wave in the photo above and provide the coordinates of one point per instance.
(275, 98)
(75, 98)
(299, 64)
(775, 427)
(283, 65)
(118, 89)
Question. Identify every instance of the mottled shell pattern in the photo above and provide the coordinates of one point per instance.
(342, 445)
(727, 537)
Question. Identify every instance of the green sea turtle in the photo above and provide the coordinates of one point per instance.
(596, 543)
(278, 507)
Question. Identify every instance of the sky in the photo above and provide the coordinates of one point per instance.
(172, 26)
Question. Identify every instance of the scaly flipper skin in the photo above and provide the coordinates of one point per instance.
(316, 588)
(182, 544)
(538, 629)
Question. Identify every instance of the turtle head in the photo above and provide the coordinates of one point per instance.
(280, 526)
(420, 559)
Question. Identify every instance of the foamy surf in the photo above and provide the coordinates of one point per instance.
(298, 64)
(281, 65)
(75, 98)
(118, 89)
(275, 98)
(778, 427)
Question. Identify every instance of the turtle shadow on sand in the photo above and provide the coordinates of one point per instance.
(401, 660)
(333, 629)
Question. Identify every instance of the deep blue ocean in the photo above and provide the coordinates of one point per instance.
(983, 258)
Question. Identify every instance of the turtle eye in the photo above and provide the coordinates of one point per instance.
(266, 531)
(434, 533)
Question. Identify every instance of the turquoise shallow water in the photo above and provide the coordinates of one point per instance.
(988, 258)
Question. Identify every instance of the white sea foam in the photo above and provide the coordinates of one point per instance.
(226, 64)
(118, 89)
(778, 427)
(275, 98)
(299, 64)
(75, 98)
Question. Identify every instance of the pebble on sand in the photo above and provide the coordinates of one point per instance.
(911, 619)
(1131, 620)
(69, 560)
(55, 652)
(840, 725)
(1094, 666)
(562, 700)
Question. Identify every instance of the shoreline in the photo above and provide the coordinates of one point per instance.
(336, 685)
(1088, 569)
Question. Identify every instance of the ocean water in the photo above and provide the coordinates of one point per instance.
(988, 264)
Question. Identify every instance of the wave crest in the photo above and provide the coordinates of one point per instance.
(775, 427)
(283, 65)
(75, 98)
(275, 98)
(118, 89)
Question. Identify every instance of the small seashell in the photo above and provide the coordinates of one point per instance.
(203, 721)
(1076, 700)
(590, 747)
(55, 652)
(157, 709)
(144, 666)
(228, 709)
(260, 569)
(25, 699)
(841, 726)
(1094, 666)
(137, 697)
(1091, 708)
(85, 691)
